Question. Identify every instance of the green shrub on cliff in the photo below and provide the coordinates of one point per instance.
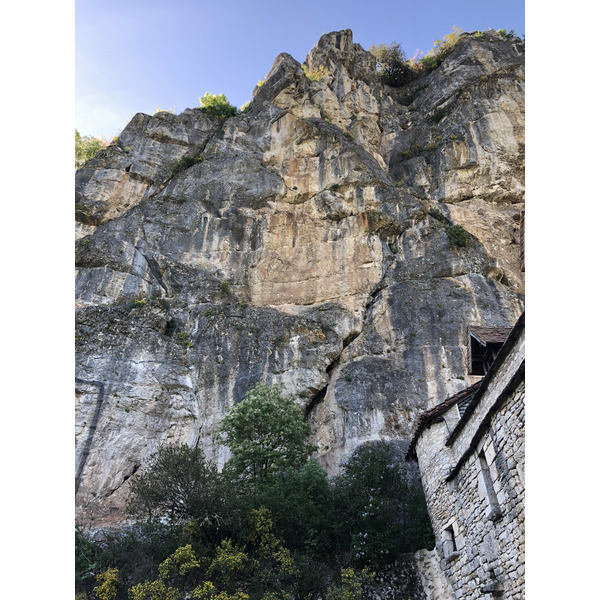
(87, 147)
(441, 49)
(316, 74)
(458, 236)
(392, 64)
(216, 105)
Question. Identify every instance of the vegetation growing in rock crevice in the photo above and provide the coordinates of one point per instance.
(315, 74)
(458, 236)
(185, 162)
(270, 525)
(396, 70)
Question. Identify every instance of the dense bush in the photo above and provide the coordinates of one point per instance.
(216, 105)
(270, 525)
(392, 64)
(109, 583)
(301, 503)
(87, 147)
(458, 236)
(180, 485)
(385, 512)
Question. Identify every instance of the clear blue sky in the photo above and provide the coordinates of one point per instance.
(137, 55)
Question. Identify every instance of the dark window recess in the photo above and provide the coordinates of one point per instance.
(449, 542)
(484, 345)
(490, 493)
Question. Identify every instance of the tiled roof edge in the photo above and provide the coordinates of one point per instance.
(430, 416)
(504, 350)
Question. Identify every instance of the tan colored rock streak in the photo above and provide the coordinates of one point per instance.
(308, 260)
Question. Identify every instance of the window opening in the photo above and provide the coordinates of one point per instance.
(490, 492)
(449, 542)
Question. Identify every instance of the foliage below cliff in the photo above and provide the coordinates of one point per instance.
(211, 535)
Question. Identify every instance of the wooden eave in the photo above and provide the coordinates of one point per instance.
(475, 391)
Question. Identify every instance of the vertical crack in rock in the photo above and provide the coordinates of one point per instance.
(155, 270)
(330, 369)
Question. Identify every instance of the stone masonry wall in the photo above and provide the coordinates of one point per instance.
(478, 516)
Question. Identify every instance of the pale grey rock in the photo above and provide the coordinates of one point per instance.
(297, 249)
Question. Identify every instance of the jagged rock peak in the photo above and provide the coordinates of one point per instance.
(335, 52)
(337, 48)
(339, 42)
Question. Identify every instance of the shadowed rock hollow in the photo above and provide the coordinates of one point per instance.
(298, 249)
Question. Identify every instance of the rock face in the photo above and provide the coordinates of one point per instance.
(299, 248)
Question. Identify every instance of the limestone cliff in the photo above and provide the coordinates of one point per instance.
(298, 248)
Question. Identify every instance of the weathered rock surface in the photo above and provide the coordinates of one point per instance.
(298, 249)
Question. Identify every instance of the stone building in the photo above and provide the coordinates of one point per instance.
(471, 455)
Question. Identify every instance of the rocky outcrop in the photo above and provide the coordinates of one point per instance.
(298, 248)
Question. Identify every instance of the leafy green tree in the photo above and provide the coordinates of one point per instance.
(392, 64)
(87, 147)
(351, 585)
(385, 510)
(216, 105)
(108, 584)
(267, 435)
(301, 505)
(181, 484)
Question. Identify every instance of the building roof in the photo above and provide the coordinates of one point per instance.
(434, 415)
(490, 335)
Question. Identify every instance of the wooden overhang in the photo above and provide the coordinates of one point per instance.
(484, 345)
(517, 378)
(468, 399)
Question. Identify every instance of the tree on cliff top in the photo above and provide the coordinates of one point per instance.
(392, 64)
(216, 105)
(87, 147)
(267, 435)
